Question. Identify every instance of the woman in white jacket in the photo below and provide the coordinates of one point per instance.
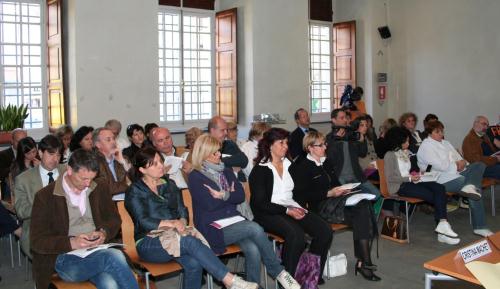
(455, 173)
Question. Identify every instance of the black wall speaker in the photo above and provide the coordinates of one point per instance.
(384, 32)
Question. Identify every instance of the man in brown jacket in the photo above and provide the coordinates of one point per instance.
(72, 213)
(112, 165)
(477, 147)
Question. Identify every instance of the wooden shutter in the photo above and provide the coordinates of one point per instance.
(55, 90)
(344, 58)
(225, 65)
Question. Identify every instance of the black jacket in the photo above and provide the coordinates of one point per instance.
(295, 144)
(335, 154)
(261, 181)
(237, 158)
(6, 159)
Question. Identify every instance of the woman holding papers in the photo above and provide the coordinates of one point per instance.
(402, 181)
(156, 204)
(216, 195)
(274, 207)
(317, 186)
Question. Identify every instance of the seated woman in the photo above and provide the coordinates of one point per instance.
(317, 186)
(404, 182)
(455, 173)
(367, 163)
(26, 158)
(64, 133)
(250, 147)
(135, 134)
(154, 203)
(272, 186)
(82, 139)
(216, 193)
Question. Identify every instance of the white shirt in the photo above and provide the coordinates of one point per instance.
(44, 175)
(250, 150)
(404, 163)
(282, 186)
(442, 156)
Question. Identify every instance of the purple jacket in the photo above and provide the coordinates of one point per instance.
(207, 209)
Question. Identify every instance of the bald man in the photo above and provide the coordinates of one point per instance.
(232, 156)
(477, 147)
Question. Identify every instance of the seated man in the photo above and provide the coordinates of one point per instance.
(295, 144)
(72, 213)
(477, 147)
(232, 156)
(33, 180)
(115, 126)
(7, 157)
(344, 152)
(162, 142)
(112, 165)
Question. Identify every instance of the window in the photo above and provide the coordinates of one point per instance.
(320, 68)
(186, 65)
(22, 58)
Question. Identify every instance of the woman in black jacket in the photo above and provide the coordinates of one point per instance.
(274, 207)
(317, 186)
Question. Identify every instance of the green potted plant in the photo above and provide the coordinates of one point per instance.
(11, 117)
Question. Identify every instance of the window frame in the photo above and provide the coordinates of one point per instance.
(184, 124)
(321, 116)
(42, 131)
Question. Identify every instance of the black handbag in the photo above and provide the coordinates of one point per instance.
(332, 209)
(394, 229)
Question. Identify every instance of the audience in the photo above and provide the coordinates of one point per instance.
(112, 165)
(64, 133)
(367, 163)
(116, 127)
(250, 148)
(191, 136)
(26, 158)
(82, 139)
(408, 120)
(147, 131)
(33, 180)
(156, 204)
(7, 157)
(232, 133)
(275, 209)
(232, 156)
(135, 134)
(303, 121)
(344, 150)
(380, 144)
(428, 118)
(401, 180)
(162, 142)
(476, 143)
(76, 212)
(217, 195)
(455, 173)
(316, 186)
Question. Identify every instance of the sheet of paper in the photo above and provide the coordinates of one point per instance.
(82, 253)
(222, 223)
(118, 197)
(488, 274)
(429, 177)
(350, 186)
(356, 198)
(290, 203)
(175, 162)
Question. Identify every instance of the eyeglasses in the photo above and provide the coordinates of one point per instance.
(320, 145)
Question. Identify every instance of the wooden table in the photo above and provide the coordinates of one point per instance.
(452, 265)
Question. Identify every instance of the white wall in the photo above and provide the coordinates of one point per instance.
(442, 58)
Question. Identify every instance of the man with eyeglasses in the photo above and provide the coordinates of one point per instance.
(33, 180)
(477, 147)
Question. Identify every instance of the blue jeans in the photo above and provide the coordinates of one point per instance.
(492, 172)
(368, 188)
(195, 257)
(106, 269)
(473, 175)
(255, 245)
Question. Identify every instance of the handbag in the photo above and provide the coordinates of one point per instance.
(336, 266)
(394, 229)
(308, 270)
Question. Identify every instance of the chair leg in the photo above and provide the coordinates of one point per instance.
(181, 280)
(27, 267)
(407, 223)
(11, 251)
(265, 277)
(147, 279)
(381, 208)
(492, 189)
(19, 252)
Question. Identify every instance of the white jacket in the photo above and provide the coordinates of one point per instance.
(442, 156)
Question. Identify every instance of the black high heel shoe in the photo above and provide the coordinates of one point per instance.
(365, 272)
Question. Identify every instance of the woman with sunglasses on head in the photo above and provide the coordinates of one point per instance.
(216, 194)
(26, 158)
(276, 210)
(317, 186)
(155, 203)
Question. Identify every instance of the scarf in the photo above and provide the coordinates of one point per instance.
(215, 172)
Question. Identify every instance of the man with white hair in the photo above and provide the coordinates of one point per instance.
(477, 147)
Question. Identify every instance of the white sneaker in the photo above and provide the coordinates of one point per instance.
(444, 228)
(286, 280)
(239, 283)
(483, 232)
(447, 240)
(471, 192)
